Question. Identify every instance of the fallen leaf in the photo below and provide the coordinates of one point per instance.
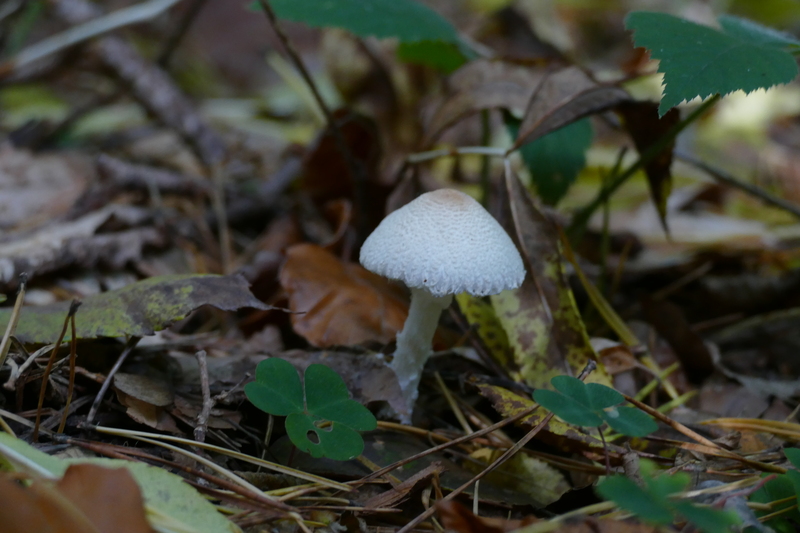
(38, 188)
(396, 495)
(483, 84)
(458, 519)
(336, 303)
(138, 309)
(562, 98)
(77, 243)
(646, 128)
(88, 499)
(544, 327)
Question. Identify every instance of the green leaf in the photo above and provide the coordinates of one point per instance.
(782, 489)
(592, 404)
(328, 398)
(139, 309)
(630, 496)
(707, 519)
(407, 20)
(336, 441)
(555, 160)
(441, 55)
(793, 454)
(567, 409)
(629, 421)
(321, 418)
(602, 397)
(701, 61)
(277, 389)
(748, 30)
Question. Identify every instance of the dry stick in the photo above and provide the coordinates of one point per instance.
(680, 428)
(129, 346)
(73, 354)
(73, 308)
(466, 438)
(208, 403)
(5, 344)
(359, 173)
(121, 452)
(723, 177)
(177, 36)
(90, 29)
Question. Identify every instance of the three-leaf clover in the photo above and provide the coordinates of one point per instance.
(582, 404)
(655, 502)
(321, 419)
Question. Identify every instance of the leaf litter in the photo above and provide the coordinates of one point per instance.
(214, 226)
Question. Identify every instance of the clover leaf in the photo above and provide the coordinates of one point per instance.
(321, 419)
(592, 404)
(656, 504)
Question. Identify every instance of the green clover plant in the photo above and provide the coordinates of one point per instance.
(592, 404)
(656, 501)
(321, 419)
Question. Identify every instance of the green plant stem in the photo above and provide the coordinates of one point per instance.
(486, 138)
(581, 218)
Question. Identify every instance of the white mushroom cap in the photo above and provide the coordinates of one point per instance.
(447, 243)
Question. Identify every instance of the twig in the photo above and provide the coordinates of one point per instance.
(16, 373)
(208, 403)
(582, 217)
(5, 344)
(73, 354)
(508, 454)
(129, 346)
(723, 177)
(83, 32)
(175, 38)
(452, 152)
(358, 171)
(73, 308)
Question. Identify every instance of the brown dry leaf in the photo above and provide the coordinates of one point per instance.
(457, 518)
(562, 98)
(646, 128)
(670, 322)
(396, 495)
(145, 398)
(88, 499)
(39, 188)
(483, 84)
(78, 243)
(336, 303)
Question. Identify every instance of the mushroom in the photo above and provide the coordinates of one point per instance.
(441, 244)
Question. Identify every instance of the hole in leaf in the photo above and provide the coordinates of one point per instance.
(312, 436)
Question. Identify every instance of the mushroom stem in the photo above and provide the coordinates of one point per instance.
(414, 342)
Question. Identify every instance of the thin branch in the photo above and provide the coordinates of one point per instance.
(357, 169)
(727, 179)
(208, 403)
(129, 346)
(5, 344)
(452, 152)
(83, 32)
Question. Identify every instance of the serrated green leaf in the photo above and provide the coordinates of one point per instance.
(277, 389)
(706, 519)
(701, 61)
(407, 20)
(555, 160)
(752, 31)
(630, 496)
(327, 397)
(566, 408)
(336, 441)
(629, 421)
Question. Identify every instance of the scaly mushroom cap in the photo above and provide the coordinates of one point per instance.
(447, 243)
